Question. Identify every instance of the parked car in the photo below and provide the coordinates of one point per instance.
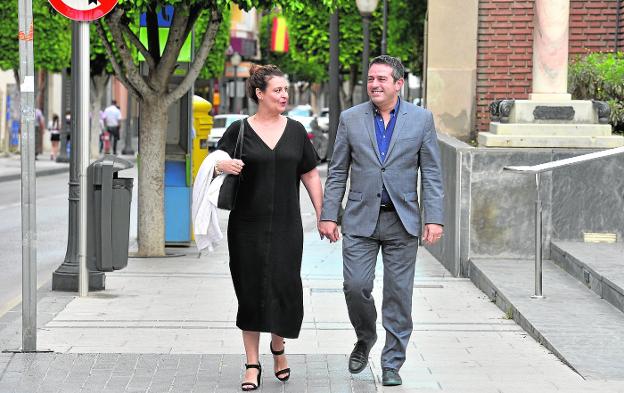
(303, 114)
(323, 119)
(219, 125)
(320, 133)
(300, 111)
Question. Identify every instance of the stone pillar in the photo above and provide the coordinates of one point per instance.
(550, 118)
(550, 50)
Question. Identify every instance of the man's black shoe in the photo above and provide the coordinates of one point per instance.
(390, 377)
(359, 358)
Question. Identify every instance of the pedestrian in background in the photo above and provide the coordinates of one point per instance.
(382, 143)
(55, 135)
(265, 235)
(112, 118)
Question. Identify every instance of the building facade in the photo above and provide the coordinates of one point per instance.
(483, 51)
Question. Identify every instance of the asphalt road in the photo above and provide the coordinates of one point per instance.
(51, 216)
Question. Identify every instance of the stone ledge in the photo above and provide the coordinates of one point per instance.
(551, 130)
(488, 139)
(597, 266)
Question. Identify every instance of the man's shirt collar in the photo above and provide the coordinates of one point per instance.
(394, 111)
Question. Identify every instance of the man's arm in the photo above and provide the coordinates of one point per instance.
(431, 178)
(336, 183)
(337, 174)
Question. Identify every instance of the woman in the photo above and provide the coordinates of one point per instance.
(265, 236)
(55, 136)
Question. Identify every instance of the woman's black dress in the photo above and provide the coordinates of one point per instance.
(265, 235)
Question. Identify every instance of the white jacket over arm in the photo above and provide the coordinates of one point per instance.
(205, 197)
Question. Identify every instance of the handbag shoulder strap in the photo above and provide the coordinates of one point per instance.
(238, 148)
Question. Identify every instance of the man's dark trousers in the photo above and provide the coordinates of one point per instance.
(114, 134)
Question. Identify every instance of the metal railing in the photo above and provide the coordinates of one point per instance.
(537, 170)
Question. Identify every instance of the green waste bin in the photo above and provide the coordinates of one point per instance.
(108, 218)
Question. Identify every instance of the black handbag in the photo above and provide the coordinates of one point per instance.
(229, 188)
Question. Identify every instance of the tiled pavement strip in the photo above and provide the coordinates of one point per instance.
(167, 325)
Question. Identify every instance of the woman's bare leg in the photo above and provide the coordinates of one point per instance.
(251, 341)
(280, 361)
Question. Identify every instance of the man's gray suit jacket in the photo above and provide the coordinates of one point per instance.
(413, 145)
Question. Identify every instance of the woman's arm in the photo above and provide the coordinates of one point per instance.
(312, 182)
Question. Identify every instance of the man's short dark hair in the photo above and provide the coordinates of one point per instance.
(398, 71)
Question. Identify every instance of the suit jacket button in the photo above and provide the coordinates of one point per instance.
(383, 169)
(378, 195)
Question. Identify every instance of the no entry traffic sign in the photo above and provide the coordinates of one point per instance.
(83, 10)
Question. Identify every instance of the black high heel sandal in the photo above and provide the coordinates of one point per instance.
(249, 386)
(279, 373)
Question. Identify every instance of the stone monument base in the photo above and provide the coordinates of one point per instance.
(550, 124)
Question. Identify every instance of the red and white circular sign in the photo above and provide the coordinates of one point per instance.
(83, 10)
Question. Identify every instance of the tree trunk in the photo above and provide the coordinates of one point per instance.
(42, 85)
(98, 85)
(152, 139)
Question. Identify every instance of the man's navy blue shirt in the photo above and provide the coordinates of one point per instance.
(384, 135)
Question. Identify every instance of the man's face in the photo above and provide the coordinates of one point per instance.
(382, 89)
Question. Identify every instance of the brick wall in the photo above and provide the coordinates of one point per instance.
(505, 45)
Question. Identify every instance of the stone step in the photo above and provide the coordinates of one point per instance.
(569, 130)
(554, 141)
(599, 266)
(579, 327)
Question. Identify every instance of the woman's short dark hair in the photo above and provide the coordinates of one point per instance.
(259, 77)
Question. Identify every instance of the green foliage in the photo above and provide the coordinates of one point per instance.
(308, 28)
(213, 67)
(308, 31)
(600, 76)
(406, 21)
(52, 37)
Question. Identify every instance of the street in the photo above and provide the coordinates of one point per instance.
(52, 211)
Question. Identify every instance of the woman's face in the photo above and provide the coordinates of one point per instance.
(275, 97)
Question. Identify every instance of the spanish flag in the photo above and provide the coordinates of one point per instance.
(279, 35)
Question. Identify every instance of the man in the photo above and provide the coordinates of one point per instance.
(382, 143)
(112, 117)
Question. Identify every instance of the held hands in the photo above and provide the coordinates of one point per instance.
(432, 233)
(329, 229)
(231, 167)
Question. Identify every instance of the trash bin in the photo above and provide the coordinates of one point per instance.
(108, 218)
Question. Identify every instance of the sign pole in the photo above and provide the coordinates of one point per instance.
(82, 125)
(27, 149)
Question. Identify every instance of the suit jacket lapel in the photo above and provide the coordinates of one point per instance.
(398, 127)
(369, 120)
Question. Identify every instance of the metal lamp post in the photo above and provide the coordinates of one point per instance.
(236, 60)
(384, 31)
(66, 276)
(334, 81)
(366, 8)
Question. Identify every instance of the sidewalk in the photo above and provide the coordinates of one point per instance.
(10, 167)
(167, 325)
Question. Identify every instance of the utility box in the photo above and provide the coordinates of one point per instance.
(202, 125)
(108, 218)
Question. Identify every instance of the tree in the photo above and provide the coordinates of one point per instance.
(308, 32)
(308, 59)
(51, 41)
(215, 62)
(406, 26)
(152, 88)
